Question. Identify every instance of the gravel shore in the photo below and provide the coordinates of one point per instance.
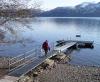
(70, 73)
(64, 72)
(3, 66)
(3, 72)
(4, 62)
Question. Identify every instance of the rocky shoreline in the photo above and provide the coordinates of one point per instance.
(4, 62)
(57, 69)
(3, 65)
(69, 73)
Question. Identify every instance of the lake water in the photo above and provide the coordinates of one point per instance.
(53, 29)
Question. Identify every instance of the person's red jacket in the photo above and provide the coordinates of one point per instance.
(45, 46)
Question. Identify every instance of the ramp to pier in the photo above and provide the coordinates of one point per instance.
(28, 67)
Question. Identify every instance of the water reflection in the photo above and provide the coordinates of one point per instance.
(87, 27)
(90, 23)
(12, 35)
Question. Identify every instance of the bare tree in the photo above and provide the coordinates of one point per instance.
(13, 8)
(13, 4)
(13, 11)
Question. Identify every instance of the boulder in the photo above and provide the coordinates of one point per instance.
(49, 62)
(25, 79)
(60, 56)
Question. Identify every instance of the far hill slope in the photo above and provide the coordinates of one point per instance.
(81, 10)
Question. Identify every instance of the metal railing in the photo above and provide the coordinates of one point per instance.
(22, 59)
(27, 57)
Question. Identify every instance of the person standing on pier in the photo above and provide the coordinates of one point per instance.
(45, 47)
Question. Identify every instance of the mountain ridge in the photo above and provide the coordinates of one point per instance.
(81, 10)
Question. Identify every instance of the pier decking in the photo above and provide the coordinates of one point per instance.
(22, 70)
(80, 41)
(66, 46)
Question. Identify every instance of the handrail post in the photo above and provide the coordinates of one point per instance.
(36, 51)
(24, 58)
(9, 64)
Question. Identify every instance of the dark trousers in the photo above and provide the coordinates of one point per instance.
(46, 51)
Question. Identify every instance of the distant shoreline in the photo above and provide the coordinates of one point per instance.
(66, 17)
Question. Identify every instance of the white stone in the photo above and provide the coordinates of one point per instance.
(9, 79)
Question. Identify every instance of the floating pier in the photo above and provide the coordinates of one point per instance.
(79, 44)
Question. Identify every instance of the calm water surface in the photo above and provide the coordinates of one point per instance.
(54, 29)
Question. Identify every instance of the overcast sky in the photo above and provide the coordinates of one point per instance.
(50, 4)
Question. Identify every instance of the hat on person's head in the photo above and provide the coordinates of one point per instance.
(46, 40)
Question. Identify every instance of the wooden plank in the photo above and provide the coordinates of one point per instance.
(64, 47)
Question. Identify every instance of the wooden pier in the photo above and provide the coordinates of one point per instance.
(25, 68)
(22, 70)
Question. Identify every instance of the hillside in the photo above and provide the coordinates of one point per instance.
(81, 10)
